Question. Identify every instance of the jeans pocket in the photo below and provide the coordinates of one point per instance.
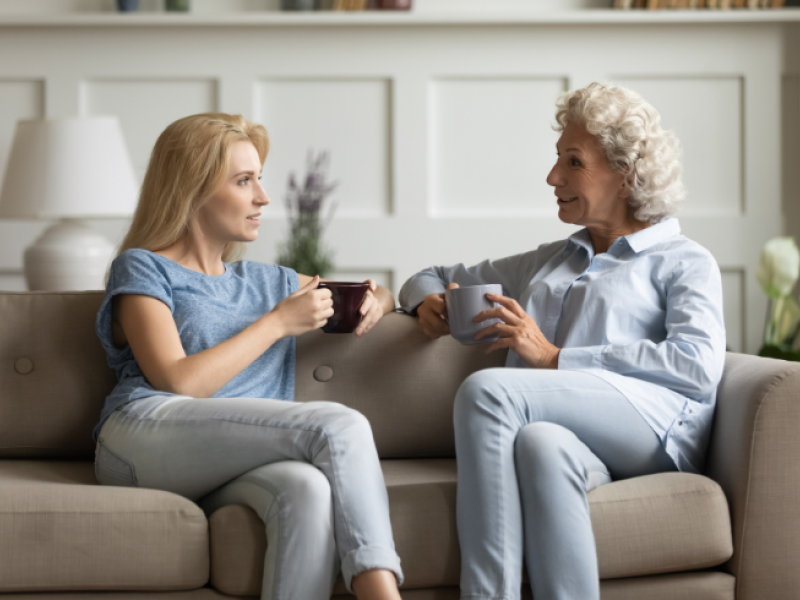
(110, 469)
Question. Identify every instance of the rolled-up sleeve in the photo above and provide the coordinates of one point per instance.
(508, 272)
(690, 359)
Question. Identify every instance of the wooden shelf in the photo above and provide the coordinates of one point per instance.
(397, 19)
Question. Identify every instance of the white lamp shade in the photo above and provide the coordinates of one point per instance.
(77, 168)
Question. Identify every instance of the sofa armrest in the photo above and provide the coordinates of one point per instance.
(754, 454)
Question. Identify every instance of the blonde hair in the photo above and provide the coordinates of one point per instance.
(629, 131)
(188, 164)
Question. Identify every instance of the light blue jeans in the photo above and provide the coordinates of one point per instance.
(530, 444)
(309, 470)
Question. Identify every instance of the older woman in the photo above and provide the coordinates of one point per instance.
(616, 344)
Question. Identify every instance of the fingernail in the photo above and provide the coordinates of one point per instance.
(358, 331)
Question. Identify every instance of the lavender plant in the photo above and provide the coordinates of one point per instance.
(304, 251)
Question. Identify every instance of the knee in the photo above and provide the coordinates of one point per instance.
(305, 486)
(291, 491)
(479, 396)
(343, 421)
(544, 447)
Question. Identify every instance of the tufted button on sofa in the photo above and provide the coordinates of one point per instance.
(729, 533)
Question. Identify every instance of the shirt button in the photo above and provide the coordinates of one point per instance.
(680, 422)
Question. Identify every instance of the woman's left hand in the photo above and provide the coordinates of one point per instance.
(371, 310)
(517, 331)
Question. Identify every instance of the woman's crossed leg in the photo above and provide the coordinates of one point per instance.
(530, 444)
(193, 446)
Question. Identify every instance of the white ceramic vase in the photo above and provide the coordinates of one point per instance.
(68, 256)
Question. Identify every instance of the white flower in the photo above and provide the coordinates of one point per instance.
(779, 267)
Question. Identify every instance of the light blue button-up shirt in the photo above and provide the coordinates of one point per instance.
(646, 316)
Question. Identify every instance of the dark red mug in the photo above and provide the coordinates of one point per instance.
(347, 299)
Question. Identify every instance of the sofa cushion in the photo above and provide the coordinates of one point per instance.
(54, 378)
(60, 530)
(686, 586)
(403, 382)
(53, 374)
(660, 524)
(655, 524)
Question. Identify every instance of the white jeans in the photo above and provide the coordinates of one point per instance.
(309, 470)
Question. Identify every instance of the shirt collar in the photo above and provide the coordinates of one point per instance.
(641, 240)
(650, 236)
(583, 239)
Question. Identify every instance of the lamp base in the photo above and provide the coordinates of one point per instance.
(68, 256)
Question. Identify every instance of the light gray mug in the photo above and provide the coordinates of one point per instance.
(463, 304)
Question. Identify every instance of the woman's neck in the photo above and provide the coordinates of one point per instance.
(195, 255)
(604, 237)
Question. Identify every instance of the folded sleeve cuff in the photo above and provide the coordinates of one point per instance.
(590, 357)
(415, 291)
(410, 309)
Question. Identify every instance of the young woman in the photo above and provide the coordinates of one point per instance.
(203, 346)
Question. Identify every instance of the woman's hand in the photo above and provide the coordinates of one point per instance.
(519, 332)
(307, 309)
(432, 315)
(371, 309)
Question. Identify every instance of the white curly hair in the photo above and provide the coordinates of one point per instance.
(629, 131)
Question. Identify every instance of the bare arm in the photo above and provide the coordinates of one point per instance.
(150, 330)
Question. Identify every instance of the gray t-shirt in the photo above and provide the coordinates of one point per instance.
(207, 310)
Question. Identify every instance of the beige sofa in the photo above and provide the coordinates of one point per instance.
(732, 533)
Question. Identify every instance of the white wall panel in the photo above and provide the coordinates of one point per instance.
(348, 118)
(706, 114)
(492, 145)
(733, 297)
(12, 281)
(146, 107)
(18, 100)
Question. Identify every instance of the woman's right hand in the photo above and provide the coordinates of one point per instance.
(432, 315)
(307, 309)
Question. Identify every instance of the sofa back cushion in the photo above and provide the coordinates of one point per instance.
(53, 374)
(54, 378)
(403, 382)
